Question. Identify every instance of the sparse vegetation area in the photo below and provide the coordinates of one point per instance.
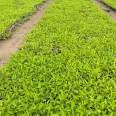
(66, 67)
(13, 11)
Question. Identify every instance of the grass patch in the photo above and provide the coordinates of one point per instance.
(67, 65)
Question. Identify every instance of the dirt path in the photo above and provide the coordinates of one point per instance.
(107, 8)
(10, 46)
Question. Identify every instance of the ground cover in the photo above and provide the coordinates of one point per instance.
(67, 65)
(13, 11)
(111, 2)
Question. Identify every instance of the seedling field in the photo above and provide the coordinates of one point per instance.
(66, 67)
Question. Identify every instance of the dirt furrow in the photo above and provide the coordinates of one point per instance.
(11, 45)
(107, 8)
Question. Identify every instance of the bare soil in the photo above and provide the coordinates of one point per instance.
(107, 8)
(11, 45)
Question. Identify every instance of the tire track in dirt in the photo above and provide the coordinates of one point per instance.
(107, 8)
(11, 45)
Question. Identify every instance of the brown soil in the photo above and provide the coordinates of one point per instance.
(11, 45)
(107, 8)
